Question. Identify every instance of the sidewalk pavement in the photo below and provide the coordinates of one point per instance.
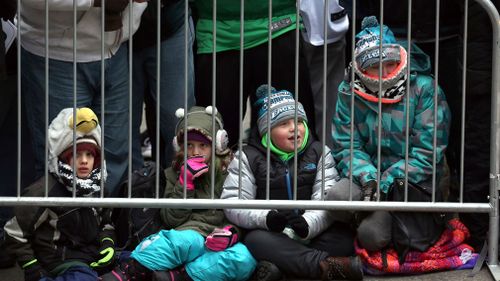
(15, 274)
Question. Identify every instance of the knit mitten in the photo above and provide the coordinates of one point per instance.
(195, 167)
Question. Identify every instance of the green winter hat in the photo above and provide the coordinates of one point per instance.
(199, 119)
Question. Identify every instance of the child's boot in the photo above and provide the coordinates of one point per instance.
(266, 271)
(341, 268)
(179, 274)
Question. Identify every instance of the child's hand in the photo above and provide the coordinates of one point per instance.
(276, 221)
(196, 167)
(222, 238)
(107, 252)
(298, 223)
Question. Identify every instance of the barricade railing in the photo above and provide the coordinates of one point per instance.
(490, 207)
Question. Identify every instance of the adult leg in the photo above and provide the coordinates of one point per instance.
(290, 256)
(139, 89)
(227, 89)
(282, 73)
(116, 116)
(173, 92)
(60, 96)
(235, 263)
(334, 75)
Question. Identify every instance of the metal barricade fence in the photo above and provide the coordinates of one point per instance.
(490, 207)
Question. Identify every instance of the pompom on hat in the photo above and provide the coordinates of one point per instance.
(87, 134)
(368, 43)
(282, 107)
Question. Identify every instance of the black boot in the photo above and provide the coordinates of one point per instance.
(179, 274)
(341, 268)
(129, 270)
(266, 271)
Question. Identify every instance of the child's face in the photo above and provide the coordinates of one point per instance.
(84, 163)
(283, 135)
(198, 148)
(387, 69)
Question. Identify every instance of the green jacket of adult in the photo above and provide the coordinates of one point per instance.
(422, 103)
(228, 23)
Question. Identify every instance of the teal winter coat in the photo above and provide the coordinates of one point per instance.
(421, 110)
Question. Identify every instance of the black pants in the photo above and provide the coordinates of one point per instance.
(255, 74)
(296, 259)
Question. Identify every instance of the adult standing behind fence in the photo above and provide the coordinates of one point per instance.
(172, 90)
(312, 12)
(378, 229)
(88, 65)
(256, 22)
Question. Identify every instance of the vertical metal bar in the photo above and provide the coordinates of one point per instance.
(46, 147)
(241, 81)
(379, 131)
(326, 10)
(19, 119)
(214, 92)
(351, 84)
(74, 96)
(158, 77)
(436, 87)
(407, 99)
(130, 85)
(464, 84)
(296, 81)
(186, 30)
(103, 95)
(103, 7)
(495, 134)
(269, 76)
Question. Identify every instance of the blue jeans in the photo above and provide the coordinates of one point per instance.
(169, 249)
(88, 94)
(172, 90)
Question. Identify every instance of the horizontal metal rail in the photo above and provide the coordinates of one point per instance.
(246, 204)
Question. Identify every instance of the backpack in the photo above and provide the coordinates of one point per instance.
(414, 230)
(132, 225)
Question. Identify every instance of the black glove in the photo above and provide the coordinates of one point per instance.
(34, 272)
(297, 222)
(112, 6)
(107, 253)
(369, 191)
(8, 9)
(276, 221)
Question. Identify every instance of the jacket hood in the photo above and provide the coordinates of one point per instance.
(60, 134)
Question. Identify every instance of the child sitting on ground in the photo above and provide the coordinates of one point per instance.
(72, 243)
(314, 247)
(428, 115)
(196, 244)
